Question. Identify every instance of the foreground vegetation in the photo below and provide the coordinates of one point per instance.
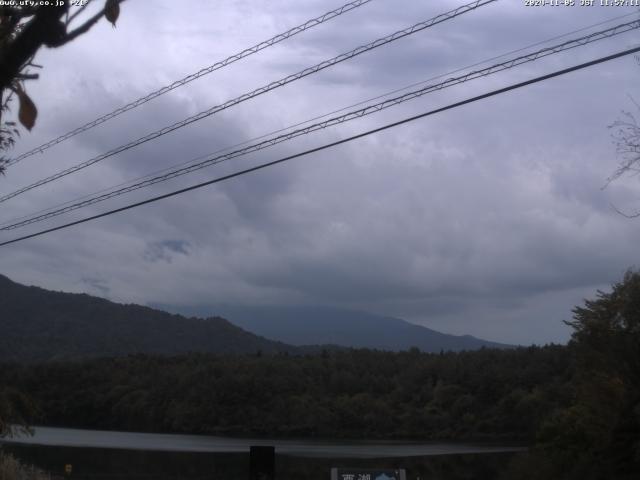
(597, 436)
(12, 469)
(578, 405)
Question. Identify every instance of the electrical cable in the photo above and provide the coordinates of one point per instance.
(264, 89)
(214, 159)
(194, 76)
(318, 117)
(332, 144)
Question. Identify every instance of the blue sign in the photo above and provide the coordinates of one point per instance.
(367, 474)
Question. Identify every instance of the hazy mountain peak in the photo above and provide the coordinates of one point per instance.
(305, 325)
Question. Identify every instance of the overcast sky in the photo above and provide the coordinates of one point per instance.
(489, 219)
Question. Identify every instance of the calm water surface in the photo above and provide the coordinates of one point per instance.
(98, 455)
(68, 437)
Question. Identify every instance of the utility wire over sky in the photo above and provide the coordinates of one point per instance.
(374, 108)
(267, 88)
(336, 143)
(194, 76)
(315, 118)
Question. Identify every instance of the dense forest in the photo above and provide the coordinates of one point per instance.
(359, 393)
(578, 406)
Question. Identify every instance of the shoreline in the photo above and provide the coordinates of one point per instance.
(81, 438)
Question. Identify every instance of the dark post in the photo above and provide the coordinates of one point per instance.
(262, 463)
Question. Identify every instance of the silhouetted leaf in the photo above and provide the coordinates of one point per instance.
(28, 111)
(112, 11)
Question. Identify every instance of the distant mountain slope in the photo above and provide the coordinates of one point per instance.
(327, 325)
(39, 325)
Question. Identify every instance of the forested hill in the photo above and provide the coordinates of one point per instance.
(41, 325)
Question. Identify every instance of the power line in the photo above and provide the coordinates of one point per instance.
(332, 144)
(318, 117)
(623, 28)
(215, 159)
(264, 89)
(194, 76)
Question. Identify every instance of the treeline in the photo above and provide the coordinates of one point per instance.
(358, 393)
(578, 405)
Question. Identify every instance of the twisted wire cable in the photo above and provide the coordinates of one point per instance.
(261, 166)
(259, 91)
(214, 159)
(324, 115)
(194, 76)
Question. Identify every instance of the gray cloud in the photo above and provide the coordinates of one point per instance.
(165, 250)
(489, 219)
(98, 285)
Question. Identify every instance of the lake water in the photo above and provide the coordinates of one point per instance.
(100, 455)
(67, 437)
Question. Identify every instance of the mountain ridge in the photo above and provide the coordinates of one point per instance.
(42, 325)
(302, 325)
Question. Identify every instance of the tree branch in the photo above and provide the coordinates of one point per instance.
(627, 215)
(78, 12)
(43, 28)
(84, 28)
(27, 76)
